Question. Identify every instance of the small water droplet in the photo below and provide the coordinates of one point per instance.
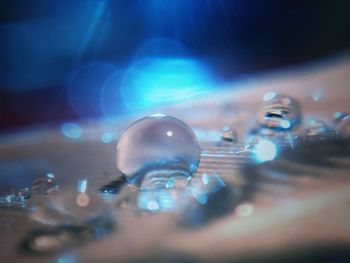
(316, 127)
(229, 134)
(159, 147)
(344, 127)
(316, 95)
(71, 208)
(338, 116)
(279, 112)
(44, 185)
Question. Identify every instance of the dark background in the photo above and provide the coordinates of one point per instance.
(43, 44)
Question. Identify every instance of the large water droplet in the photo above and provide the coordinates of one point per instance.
(71, 208)
(279, 112)
(160, 147)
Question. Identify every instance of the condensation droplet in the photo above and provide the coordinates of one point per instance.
(343, 128)
(228, 134)
(316, 127)
(44, 185)
(279, 112)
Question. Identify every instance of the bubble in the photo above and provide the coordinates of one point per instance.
(71, 208)
(159, 150)
(229, 134)
(279, 112)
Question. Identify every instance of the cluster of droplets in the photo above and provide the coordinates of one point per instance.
(70, 216)
(41, 186)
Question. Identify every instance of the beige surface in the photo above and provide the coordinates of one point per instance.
(287, 221)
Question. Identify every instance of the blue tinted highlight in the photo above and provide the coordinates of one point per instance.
(107, 137)
(285, 124)
(82, 186)
(151, 82)
(71, 130)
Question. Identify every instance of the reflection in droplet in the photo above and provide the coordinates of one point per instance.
(338, 116)
(279, 112)
(229, 134)
(157, 149)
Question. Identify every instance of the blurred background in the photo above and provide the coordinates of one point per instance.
(68, 60)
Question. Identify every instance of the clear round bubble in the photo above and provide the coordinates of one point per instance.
(157, 148)
(279, 112)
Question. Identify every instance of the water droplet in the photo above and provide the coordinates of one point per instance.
(344, 127)
(71, 208)
(279, 112)
(316, 95)
(229, 134)
(316, 127)
(159, 147)
(20, 196)
(338, 116)
(44, 185)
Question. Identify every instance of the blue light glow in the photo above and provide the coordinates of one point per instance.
(285, 124)
(265, 150)
(71, 130)
(151, 82)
